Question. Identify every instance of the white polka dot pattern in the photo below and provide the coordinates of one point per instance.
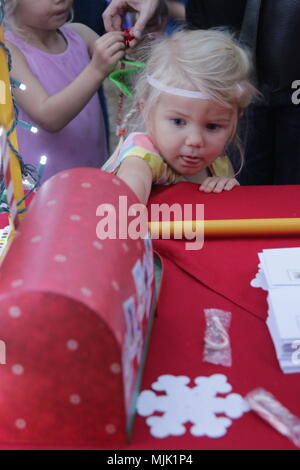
(20, 424)
(75, 399)
(86, 291)
(125, 247)
(115, 368)
(52, 202)
(75, 218)
(98, 245)
(15, 312)
(17, 283)
(115, 285)
(17, 369)
(60, 258)
(36, 239)
(110, 429)
(72, 345)
(60, 323)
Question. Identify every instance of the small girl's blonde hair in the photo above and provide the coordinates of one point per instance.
(210, 61)
(207, 60)
(9, 19)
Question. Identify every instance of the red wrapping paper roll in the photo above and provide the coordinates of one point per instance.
(74, 314)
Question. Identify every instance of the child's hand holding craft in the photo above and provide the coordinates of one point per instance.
(108, 50)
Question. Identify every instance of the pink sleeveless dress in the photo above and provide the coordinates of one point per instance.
(82, 143)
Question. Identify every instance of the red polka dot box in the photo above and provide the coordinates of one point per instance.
(75, 316)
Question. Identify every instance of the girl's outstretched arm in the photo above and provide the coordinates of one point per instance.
(138, 175)
(53, 113)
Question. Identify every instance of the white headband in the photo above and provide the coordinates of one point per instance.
(176, 91)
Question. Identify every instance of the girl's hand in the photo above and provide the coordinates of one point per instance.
(107, 51)
(146, 10)
(217, 184)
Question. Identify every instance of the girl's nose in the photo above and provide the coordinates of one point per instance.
(195, 138)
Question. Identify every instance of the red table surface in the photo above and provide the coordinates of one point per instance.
(219, 276)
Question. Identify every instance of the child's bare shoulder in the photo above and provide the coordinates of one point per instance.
(17, 54)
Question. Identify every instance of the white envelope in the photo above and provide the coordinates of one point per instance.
(281, 266)
(285, 310)
(288, 368)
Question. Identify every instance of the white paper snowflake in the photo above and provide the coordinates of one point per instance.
(260, 280)
(198, 405)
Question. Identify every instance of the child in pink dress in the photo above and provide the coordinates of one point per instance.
(62, 66)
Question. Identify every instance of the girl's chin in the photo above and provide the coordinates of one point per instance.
(189, 170)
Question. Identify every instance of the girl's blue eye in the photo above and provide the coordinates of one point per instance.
(178, 122)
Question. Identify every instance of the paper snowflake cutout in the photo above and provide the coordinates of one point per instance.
(198, 405)
(260, 280)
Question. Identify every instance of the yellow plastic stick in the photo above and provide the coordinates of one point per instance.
(228, 227)
(6, 120)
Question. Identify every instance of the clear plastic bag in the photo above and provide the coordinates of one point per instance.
(272, 411)
(217, 348)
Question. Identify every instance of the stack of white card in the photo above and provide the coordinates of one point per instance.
(279, 274)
